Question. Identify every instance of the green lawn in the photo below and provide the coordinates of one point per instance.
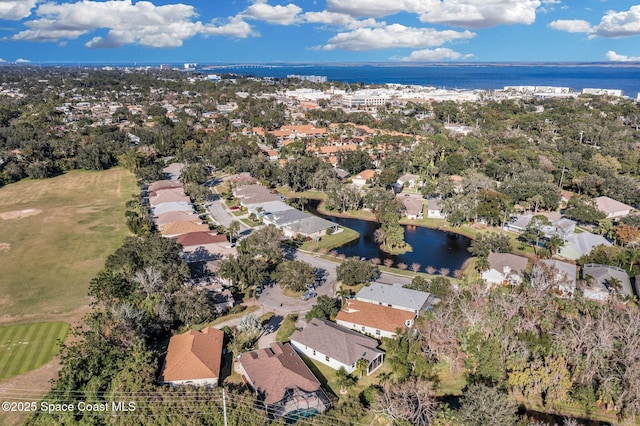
(329, 242)
(287, 328)
(28, 346)
(55, 235)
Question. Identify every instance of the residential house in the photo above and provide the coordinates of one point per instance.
(284, 217)
(173, 171)
(505, 268)
(254, 194)
(434, 209)
(178, 228)
(364, 177)
(283, 382)
(312, 227)
(201, 246)
(193, 358)
(563, 276)
(172, 206)
(169, 195)
(177, 216)
(164, 184)
(577, 245)
(376, 320)
(413, 206)
(408, 181)
(612, 208)
(397, 297)
(337, 346)
(601, 281)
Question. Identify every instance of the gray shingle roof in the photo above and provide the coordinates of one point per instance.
(284, 217)
(337, 342)
(603, 273)
(310, 225)
(395, 295)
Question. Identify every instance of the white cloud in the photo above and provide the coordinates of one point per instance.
(22, 61)
(616, 57)
(2, 60)
(373, 8)
(141, 23)
(15, 10)
(480, 13)
(463, 13)
(613, 24)
(392, 36)
(619, 24)
(428, 55)
(281, 15)
(571, 25)
(338, 19)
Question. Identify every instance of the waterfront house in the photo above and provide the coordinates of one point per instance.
(505, 268)
(337, 346)
(434, 209)
(284, 384)
(413, 206)
(363, 178)
(193, 358)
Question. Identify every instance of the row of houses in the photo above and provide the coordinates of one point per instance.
(175, 217)
(260, 201)
(284, 384)
(599, 282)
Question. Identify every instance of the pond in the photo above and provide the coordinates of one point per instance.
(431, 247)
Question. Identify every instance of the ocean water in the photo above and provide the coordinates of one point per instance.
(625, 77)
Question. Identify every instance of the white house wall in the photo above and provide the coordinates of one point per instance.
(366, 330)
(320, 357)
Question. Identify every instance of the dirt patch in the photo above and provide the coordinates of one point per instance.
(19, 214)
(5, 247)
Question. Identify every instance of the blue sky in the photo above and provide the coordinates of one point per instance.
(213, 31)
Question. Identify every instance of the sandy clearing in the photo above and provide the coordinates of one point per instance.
(19, 214)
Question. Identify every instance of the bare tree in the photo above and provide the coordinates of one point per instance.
(430, 270)
(402, 266)
(376, 261)
(415, 267)
(444, 271)
(149, 279)
(411, 401)
(388, 263)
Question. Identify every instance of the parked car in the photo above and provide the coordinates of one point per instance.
(308, 295)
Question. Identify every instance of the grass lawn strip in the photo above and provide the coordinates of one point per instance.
(29, 346)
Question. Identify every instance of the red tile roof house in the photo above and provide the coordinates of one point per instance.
(193, 358)
(164, 184)
(168, 196)
(284, 384)
(363, 177)
(178, 228)
(376, 320)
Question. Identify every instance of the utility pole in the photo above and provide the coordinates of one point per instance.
(224, 406)
(562, 176)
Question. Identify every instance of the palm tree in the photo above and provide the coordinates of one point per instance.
(554, 243)
(362, 365)
(344, 380)
(482, 264)
(233, 230)
(380, 237)
(343, 293)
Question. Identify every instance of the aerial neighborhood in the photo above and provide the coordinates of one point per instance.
(303, 250)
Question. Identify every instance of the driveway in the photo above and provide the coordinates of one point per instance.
(221, 215)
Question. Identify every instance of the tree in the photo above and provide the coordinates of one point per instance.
(411, 402)
(344, 380)
(233, 230)
(354, 161)
(485, 405)
(582, 211)
(362, 365)
(249, 324)
(493, 207)
(491, 242)
(264, 243)
(325, 308)
(294, 275)
(553, 244)
(354, 271)
(535, 230)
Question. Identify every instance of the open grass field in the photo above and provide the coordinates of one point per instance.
(28, 346)
(55, 235)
